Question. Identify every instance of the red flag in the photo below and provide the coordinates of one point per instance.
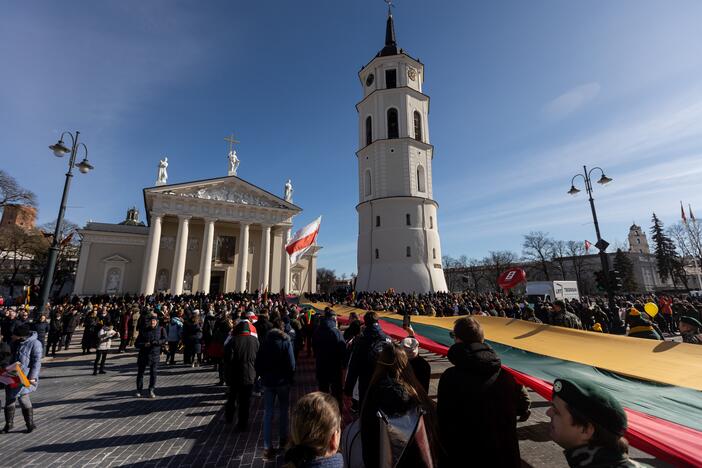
(587, 246)
(692, 217)
(302, 240)
(682, 213)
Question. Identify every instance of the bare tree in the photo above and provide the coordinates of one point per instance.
(20, 247)
(496, 262)
(576, 252)
(557, 253)
(536, 248)
(687, 238)
(11, 193)
(476, 272)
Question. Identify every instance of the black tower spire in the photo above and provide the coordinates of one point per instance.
(390, 42)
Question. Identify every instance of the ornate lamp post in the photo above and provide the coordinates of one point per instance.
(601, 243)
(60, 150)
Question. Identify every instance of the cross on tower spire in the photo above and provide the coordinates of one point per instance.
(231, 141)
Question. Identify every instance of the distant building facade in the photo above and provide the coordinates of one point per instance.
(23, 216)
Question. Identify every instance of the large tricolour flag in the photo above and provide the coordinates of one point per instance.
(302, 240)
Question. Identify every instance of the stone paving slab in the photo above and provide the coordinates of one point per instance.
(86, 420)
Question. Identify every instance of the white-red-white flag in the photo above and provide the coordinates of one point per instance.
(587, 245)
(302, 240)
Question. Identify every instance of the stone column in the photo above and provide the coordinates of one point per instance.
(153, 246)
(181, 251)
(243, 255)
(286, 261)
(206, 258)
(265, 256)
(312, 272)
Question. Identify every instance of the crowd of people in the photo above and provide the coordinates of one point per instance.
(254, 343)
(677, 314)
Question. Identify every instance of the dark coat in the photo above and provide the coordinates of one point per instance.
(42, 329)
(70, 322)
(149, 344)
(422, 370)
(240, 360)
(263, 326)
(192, 336)
(8, 327)
(392, 398)
(275, 362)
(55, 328)
(329, 350)
(478, 405)
(363, 357)
(90, 332)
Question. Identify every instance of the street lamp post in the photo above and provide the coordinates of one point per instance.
(60, 150)
(601, 243)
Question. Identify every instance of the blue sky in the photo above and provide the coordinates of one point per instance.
(523, 94)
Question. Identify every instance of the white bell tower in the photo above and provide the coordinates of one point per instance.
(398, 235)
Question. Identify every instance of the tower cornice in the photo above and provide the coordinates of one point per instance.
(421, 144)
(395, 90)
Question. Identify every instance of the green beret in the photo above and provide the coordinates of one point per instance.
(691, 320)
(592, 402)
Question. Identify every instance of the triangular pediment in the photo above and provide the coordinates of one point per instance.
(115, 258)
(229, 189)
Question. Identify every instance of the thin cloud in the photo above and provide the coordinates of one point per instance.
(572, 100)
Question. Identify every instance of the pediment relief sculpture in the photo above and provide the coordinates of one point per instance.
(231, 195)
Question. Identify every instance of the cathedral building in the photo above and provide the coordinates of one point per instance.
(398, 238)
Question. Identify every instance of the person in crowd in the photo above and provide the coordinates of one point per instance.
(394, 391)
(330, 356)
(90, 331)
(315, 433)
(561, 317)
(215, 350)
(419, 365)
(133, 330)
(175, 335)
(125, 325)
(476, 390)
(529, 315)
(690, 330)
(70, 323)
(364, 354)
(589, 424)
(55, 332)
(27, 350)
(354, 327)
(105, 335)
(5, 360)
(275, 363)
(149, 343)
(240, 373)
(41, 326)
(192, 340)
(297, 326)
(641, 327)
(9, 323)
(208, 325)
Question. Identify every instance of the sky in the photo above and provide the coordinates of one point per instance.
(523, 94)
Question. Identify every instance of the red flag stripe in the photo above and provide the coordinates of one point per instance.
(301, 243)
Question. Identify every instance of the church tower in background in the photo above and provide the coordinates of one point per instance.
(398, 228)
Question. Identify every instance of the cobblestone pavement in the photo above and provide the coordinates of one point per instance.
(86, 420)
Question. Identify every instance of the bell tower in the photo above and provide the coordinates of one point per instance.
(398, 236)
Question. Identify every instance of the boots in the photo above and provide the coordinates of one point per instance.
(9, 418)
(28, 414)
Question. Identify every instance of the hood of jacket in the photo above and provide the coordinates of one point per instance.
(374, 332)
(391, 396)
(277, 335)
(476, 358)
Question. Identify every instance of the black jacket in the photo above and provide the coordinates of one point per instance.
(42, 329)
(55, 328)
(329, 350)
(478, 405)
(70, 322)
(263, 326)
(8, 327)
(362, 364)
(149, 344)
(422, 370)
(240, 360)
(275, 362)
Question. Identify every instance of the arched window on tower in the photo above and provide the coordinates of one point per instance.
(393, 126)
(417, 126)
(433, 253)
(368, 184)
(431, 222)
(409, 251)
(377, 254)
(369, 130)
(421, 179)
(377, 221)
(408, 219)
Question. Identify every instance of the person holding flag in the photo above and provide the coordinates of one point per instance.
(27, 353)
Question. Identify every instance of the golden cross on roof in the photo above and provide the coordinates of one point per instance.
(231, 141)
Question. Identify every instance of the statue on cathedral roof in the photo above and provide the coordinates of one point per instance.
(288, 191)
(162, 178)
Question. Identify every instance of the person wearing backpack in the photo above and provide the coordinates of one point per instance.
(364, 355)
(478, 404)
(394, 397)
(275, 363)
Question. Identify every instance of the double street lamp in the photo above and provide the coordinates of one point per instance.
(601, 243)
(60, 150)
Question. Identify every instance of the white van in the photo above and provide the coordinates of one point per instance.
(552, 290)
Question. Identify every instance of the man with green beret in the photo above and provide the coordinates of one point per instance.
(589, 424)
(690, 329)
(561, 317)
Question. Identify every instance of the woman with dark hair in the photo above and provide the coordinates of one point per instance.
(395, 392)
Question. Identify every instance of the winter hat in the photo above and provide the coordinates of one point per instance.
(411, 346)
(592, 401)
(243, 328)
(22, 331)
(597, 327)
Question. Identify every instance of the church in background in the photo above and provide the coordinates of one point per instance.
(217, 235)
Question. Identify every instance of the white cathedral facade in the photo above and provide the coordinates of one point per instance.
(398, 238)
